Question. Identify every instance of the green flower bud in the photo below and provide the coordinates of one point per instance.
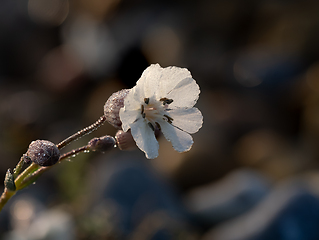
(9, 181)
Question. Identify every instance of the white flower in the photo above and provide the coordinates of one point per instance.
(162, 98)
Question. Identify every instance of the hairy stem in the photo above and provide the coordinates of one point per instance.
(31, 173)
(30, 179)
(82, 132)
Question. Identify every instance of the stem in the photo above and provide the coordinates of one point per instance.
(82, 132)
(30, 179)
(73, 152)
(18, 168)
(33, 167)
(6, 195)
(31, 173)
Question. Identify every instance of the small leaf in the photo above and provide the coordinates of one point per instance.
(9, 181)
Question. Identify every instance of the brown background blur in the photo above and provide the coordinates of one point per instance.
(256, 63)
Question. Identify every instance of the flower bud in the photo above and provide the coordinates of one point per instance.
(112, 108)
(102, 144)
(125, 140)
(43, 153)
(9, 181)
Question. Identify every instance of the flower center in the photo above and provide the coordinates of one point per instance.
(154, 110)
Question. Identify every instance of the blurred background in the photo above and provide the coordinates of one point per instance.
(252, 173)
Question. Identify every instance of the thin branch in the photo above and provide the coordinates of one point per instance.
(18, 168)
(29, 170)
(6, 195)
(31, 178)
(82, 132)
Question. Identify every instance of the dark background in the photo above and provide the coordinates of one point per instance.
(256, 156)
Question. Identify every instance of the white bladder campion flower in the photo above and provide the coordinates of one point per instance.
(163, 98)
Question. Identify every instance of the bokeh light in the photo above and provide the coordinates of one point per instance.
(51, 12)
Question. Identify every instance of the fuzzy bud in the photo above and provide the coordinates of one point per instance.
(42, 152)
(9, 181)
(125, 140)
(102, 144)
(112, 108)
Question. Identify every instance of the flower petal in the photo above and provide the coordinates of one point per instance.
(149, 80)
(184, 94)
(187, 119)
(171, 82)
(181, 141)
(128, 117)
(174, 83)
(169, 78)
(145, 138)
(133, 99)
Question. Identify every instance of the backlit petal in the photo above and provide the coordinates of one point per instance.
(188, 119)
(181, 141)
(149, 80)
(184, 94)
(128, 117)
(145, 138)
(133, 99)
(170, 77)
